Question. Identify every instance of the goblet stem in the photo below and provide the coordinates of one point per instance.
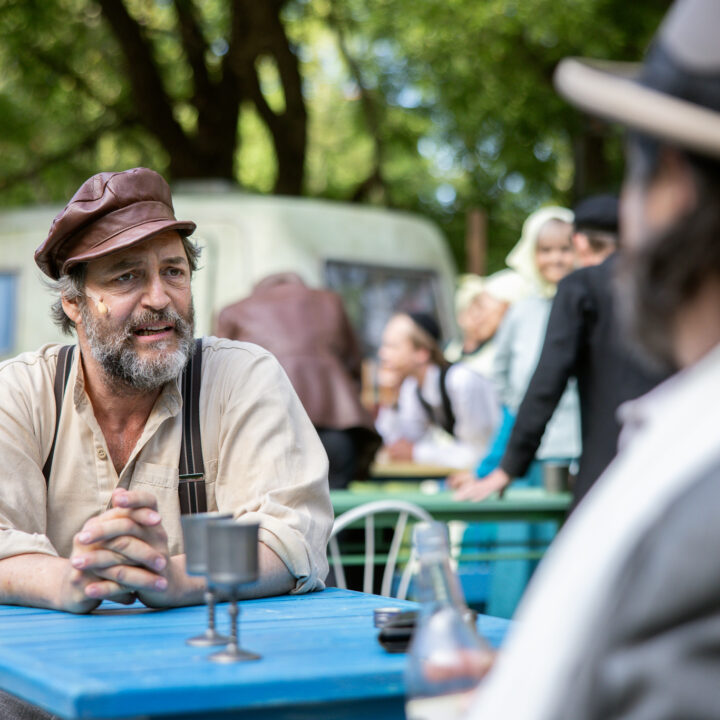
(233, 653)
(210, 636)
(234, 611)
(210, 602)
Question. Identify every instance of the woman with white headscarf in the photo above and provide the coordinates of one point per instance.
(543, 256)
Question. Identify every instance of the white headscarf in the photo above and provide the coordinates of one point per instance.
(522, 257)
(505, 285)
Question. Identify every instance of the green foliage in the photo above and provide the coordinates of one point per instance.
(61, 95)
(480, 75)
(431, 106)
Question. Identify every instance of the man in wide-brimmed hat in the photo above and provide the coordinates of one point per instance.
(623, 618)
(103, 449)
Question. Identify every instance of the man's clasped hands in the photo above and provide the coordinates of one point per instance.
(122, 554)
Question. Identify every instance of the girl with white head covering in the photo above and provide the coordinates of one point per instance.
(547, 231)
(480, 305)
(542, 256)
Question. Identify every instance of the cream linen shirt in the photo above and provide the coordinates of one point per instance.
(263, 459)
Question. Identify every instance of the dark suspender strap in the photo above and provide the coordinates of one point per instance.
(447, 422)
(426, 406)
(449, 419)
(62, 373)
(191, 488)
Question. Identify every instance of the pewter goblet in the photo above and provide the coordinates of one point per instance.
(232, 563)
(195, 539)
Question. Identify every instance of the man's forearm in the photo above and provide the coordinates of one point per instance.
(274, 578)
(556, 365)
(44, 581)
(38, 580)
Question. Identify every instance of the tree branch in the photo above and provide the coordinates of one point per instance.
(195, 48)
(153, 103)
(257, 31)
(372, 116)
(84, 143)
(61, 68)
(287, 65)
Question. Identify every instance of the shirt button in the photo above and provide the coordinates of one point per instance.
(101, 453)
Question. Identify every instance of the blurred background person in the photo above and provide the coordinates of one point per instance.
(480, 306)
(584, 340)
(430, 412)
(595, 229)
(543, 257)
(309, 332)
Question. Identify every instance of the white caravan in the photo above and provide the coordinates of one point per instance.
(379, 260)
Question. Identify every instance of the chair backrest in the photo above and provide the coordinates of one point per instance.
(369, 510)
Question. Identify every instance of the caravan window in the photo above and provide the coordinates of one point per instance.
(8, 311)
(372, 293)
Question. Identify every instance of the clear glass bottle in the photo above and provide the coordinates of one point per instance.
(446, 658)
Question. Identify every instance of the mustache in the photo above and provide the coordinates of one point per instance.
(151, 317)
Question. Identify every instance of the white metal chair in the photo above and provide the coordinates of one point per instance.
(368, 511)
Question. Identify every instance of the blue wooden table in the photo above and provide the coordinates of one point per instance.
(320, 659)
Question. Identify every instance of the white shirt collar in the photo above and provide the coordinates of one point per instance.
(653, 408)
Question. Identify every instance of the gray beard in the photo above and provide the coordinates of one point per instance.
(125, 371)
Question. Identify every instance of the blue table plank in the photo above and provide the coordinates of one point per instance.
(319, 652)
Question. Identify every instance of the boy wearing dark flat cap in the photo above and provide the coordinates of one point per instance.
(595, 229)
(622, 619)
(103, 448)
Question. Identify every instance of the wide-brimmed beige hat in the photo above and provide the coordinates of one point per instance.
(673, 104)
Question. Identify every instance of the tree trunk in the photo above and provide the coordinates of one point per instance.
(593, 171)
(209, 151)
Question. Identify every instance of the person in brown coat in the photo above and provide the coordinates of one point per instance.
(310, 333)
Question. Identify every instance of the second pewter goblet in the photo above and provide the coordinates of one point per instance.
(195, 540)
(232, 563)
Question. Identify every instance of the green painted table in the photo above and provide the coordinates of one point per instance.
(517, 505)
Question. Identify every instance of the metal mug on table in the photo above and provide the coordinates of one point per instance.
(556, 477)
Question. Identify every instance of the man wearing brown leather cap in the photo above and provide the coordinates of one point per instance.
(93, 487)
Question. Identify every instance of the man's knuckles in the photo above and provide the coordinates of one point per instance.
(134, 578)
(104, 528)
(134, 499)
(137, 552)
(121, 544)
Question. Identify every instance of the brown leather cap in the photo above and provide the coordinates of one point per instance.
(110, 211)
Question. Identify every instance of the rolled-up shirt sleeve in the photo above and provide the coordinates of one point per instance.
(272, 467)
(23, 493)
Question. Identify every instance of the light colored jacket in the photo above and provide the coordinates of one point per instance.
(518, 344)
